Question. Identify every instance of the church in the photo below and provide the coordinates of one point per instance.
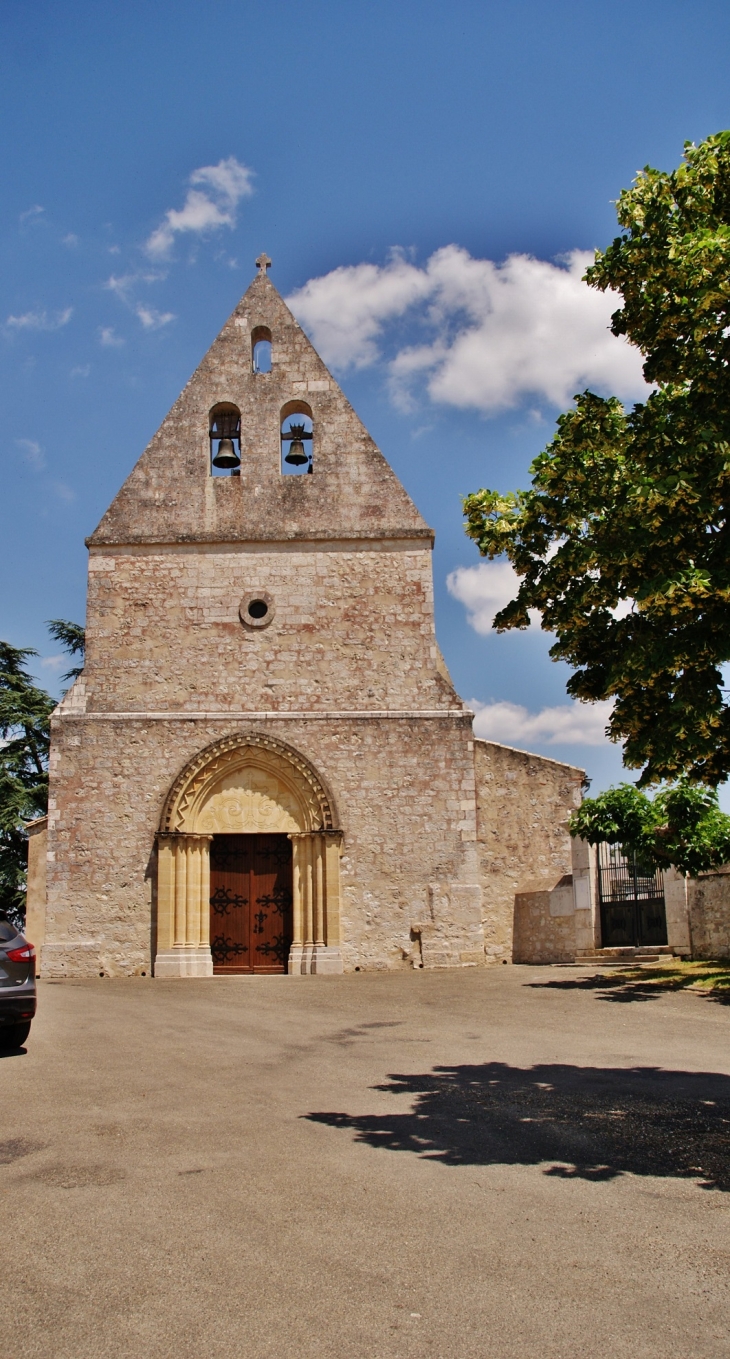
(264, 766)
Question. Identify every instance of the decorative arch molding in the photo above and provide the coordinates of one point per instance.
(244, 783)
(247, 783)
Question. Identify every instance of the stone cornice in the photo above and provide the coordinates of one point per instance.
(329, 715)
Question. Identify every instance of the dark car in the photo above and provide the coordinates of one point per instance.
(17, 985)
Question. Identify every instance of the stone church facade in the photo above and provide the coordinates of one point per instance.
(264, 765)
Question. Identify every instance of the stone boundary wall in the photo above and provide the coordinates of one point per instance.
(709, 914)
(525, 853)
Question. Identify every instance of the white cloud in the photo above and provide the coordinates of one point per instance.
(568, 723)
(109, 338)
(205, 209)
(71, 240)
(32, 452)
(123, 286)
(40, 320)
(345, 311)
(64, 492)
(152, 319)
(488, 587)
(484, 590)
(54, 663)
(31, 214)
(81, 370)
(496, 333)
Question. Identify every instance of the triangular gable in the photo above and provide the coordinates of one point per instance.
(171, 497)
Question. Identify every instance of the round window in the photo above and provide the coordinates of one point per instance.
(256, 610)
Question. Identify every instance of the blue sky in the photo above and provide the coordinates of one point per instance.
(423, 177)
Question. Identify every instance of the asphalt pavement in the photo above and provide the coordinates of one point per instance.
(512, 1162)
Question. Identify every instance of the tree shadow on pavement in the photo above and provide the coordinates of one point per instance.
(590, 1123)
(709, 981)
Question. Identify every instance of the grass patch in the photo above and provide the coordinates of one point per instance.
(677, 975)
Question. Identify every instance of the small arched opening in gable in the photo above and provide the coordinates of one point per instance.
(261, 349)
(224, 429)
(297, 439)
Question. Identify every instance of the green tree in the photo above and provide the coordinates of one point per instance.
(25, 712)
(623, 540)
(681, 827)
(73, 639)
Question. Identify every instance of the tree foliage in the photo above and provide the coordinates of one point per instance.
(25, 712)
(681, 827)
(623, 540)
(73, 640)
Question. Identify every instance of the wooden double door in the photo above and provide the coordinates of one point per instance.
(250, 903)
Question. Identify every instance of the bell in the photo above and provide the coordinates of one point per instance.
(296, 455)
(226, 455)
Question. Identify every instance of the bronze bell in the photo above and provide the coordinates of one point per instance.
(296, 456)
(226, 455)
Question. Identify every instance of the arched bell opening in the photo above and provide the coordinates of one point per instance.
(261, 350)
(297, 439)
(224, 432)
(248, 839)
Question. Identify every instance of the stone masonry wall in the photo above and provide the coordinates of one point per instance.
(403, 789)
(35, 899)
(544, 926)
(523, 803)
(350, 629)
(709, 914)
(171, 497)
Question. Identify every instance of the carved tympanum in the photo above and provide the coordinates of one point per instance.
(247, 783)
(248, 800)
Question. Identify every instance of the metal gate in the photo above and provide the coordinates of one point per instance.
(632, 900)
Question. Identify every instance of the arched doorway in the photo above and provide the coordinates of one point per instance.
(248, 796)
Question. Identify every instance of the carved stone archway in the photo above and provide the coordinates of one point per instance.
(245, 784)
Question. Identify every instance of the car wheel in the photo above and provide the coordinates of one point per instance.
(13, 1035)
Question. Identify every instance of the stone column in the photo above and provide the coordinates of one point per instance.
(332, 846)
(305, 850)
(295, 952)
(316, 938)
(183, 906)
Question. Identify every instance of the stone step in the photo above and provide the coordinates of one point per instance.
(624, 951)
(620, 962)
(618, 957)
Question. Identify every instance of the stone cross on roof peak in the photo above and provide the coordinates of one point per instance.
(263, 263)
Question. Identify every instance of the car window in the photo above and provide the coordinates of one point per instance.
(7, 931)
